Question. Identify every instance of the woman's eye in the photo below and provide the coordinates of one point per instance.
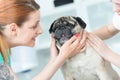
(34, 27)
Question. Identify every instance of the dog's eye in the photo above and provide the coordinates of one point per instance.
(70, 26)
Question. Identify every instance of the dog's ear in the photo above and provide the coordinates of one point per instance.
(51, 28)
(80, 21)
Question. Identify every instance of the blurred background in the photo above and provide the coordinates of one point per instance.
(28, 62)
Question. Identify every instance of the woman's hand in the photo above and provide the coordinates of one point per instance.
(70, 47)
(103, 50)
(53, 49)
(98, 45)
(73, 45)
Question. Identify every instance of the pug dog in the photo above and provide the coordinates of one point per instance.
(86, 65)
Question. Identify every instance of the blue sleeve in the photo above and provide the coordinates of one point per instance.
(1, 59)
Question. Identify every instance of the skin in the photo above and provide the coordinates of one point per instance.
(103, 50)
(107, 32)
(116, 6)
(25, 36)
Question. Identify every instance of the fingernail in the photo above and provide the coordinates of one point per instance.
(76, 34)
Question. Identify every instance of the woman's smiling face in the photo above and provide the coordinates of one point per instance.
(30, 30)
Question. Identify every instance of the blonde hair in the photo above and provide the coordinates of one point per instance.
(14, 11)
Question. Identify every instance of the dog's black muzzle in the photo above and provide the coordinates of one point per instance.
(63, 33)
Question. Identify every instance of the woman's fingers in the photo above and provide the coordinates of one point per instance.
(74, 44)
(72, 39)
(97, 43)
(81, 47)
(53, 49)
(77, 36)
(93, 39)
(53, 44)
(79, 43)
(81, 39)
(91, 44)
(53, 40)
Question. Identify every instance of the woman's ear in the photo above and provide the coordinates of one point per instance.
(13, 28)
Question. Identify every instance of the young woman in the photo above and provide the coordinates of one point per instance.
(105, 33)
(19, 26)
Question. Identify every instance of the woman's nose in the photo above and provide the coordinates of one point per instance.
(39, 30)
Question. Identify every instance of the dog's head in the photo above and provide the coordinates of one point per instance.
(65, 27)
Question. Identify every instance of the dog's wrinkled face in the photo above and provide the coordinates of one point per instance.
(65, 27)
